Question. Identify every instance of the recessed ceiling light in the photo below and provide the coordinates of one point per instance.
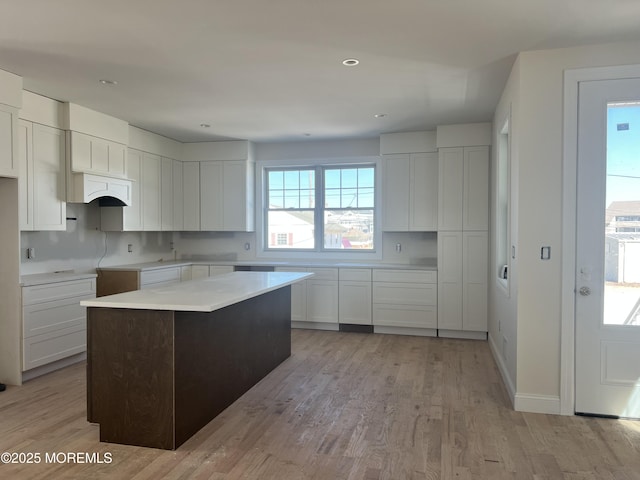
(307, 134)
(380, 115)
(108, 82)
(350, 62)
(205, 125)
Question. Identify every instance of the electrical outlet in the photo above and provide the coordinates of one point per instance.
(247, 246)
(130, 248)
(31, 253)
(398, 247)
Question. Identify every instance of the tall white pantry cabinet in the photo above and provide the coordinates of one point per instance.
(463, 249)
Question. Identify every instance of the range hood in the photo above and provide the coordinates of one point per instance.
(109, 191)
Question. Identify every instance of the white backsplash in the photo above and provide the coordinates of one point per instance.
(82, 246)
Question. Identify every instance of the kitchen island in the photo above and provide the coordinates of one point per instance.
(161, 363)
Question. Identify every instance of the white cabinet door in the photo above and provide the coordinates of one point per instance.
(211, 197)
(166, 194)
(298, 295)
(396, 172)
(8, 141)
(151, 174)
(476, 189)
(178, 194)
(49, 179)
(97, 155)
(133, 213)
(354, 302)
(42, 178)
(25, 175)
(237, 201)
(191, 196)
(322, 301)
(226, 196)
(199, 271)
(450, 280)
(475, 251)
(423, 188)
(450, 186)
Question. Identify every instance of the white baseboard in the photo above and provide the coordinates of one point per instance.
(52, 367)
(418, 332)
(462, 334)
(315, 325)
(526, 402)
(504, 372)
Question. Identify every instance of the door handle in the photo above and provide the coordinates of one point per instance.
(585, 291)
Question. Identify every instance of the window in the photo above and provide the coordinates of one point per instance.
(503, 200)
(320, 208)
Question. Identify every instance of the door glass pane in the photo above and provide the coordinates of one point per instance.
(622, 219)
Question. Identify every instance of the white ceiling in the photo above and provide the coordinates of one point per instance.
(269, 70)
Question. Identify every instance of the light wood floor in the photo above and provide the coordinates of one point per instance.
(344, 406)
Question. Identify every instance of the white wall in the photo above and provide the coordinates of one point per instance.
(538, 106)
(502, 302)
(82, 246)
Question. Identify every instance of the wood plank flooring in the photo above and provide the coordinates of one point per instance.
(344, 406)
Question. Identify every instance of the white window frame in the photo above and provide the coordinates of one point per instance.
(347, 254)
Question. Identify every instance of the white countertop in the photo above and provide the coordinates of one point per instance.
(205, 295)
(53, 277)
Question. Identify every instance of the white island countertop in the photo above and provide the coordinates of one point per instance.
(205, 295)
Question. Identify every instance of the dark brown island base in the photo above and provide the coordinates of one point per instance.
(156, 376)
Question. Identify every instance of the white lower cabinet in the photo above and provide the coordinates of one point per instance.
(314, 302)
(462, 289)
(54, 323)
(322, 296)
(354, 296)
(204, 271)
(160, 277)
(405, 301)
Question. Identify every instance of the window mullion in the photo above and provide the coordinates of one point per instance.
(319, 209)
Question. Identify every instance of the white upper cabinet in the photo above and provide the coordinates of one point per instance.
(191, 196)
(463, 198)
(178, 195)
(8, 141)
(144, 213)
(166, 194)
(151, 192)
(95, 155)
(211, 196)
(395, 192)
(226, 196)
(227, 184)
(475, 211)
(10, 102)
(97, 142)
(450, 187)
(410, 192)
(42, 177)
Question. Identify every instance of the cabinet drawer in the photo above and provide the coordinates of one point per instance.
(324, 273)
(164, 275)
(405, 293)
(220, 269)
(50, 347)
(52, 316)
(410, 316)
(416, 276)
(57, 291)
(355, 274)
